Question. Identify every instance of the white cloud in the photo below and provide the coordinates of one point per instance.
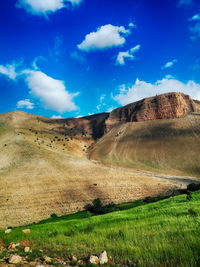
(52, 93)
(105, 37)
(169, 64)
(195, 17)
(25, 104)
(44, 7)
(142, 89)
(185, 2)
(110, 109)
(56, 117)
(195, 29)
(131, 25)
(126, 55)
(9, 70)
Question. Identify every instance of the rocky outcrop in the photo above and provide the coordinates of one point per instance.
(165, 106)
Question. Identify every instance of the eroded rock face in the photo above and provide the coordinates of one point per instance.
(165, 106)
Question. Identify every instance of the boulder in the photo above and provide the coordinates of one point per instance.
(8, 231)
(47, 259)
(93, 260)
(14, 259)
(12, 245)
(26, 231)
(103, 258)
(74, 258)
(26, 249)
(80, 262)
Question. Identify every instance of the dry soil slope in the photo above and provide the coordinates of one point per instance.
(44, 170)
(159, 133)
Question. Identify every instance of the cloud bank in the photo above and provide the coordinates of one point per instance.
(195, 29)
(142, 89)
(105, 37)
(45, 7)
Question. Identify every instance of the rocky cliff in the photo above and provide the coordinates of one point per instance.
(165, 106)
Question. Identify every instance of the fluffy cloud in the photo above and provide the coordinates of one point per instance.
(52, 93)
(142, 89)
(105, 37)
(9, 70)
(44, 7)
(25, 104)
(185, 2)
(126, 55)
(169, 64)
(56, 117)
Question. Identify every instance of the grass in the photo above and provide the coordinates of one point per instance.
(164, 233)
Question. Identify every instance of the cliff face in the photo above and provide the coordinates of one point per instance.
(165, 106)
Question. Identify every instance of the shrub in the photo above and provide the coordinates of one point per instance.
(53, 215)
(193, 187)
(98, 208)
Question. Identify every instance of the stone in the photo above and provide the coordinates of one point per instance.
(26, 231)
(26, 249)
(8, 231)
(14, 259)
(12, 245)
(74, 258)
(47, 259)
(80, 262)
(93, 260)
(103, 258)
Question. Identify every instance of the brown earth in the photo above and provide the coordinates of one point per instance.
(44, 167)
(165, 106)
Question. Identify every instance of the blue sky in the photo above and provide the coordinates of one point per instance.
(69, 58)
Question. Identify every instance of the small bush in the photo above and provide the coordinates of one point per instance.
(98, 208)
(193, 187)
(53, 215)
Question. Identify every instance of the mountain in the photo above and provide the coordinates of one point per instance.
(165, 106)
(54, 165)
(157, 133)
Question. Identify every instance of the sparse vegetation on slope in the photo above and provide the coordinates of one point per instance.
(164, 233)
(170, 146)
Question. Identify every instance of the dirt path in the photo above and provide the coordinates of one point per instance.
(180, 181)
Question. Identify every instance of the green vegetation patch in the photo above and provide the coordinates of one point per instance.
(162, 233)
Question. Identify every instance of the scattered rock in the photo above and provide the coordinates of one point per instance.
(47, 259)
(8, 231)
(80, 262)
(93, 260)
(26, 249)
(26, 231)
(12, 245)
(14, 259)
(74, 258)
(103, 258)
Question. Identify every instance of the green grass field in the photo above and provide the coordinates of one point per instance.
(164, 233)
